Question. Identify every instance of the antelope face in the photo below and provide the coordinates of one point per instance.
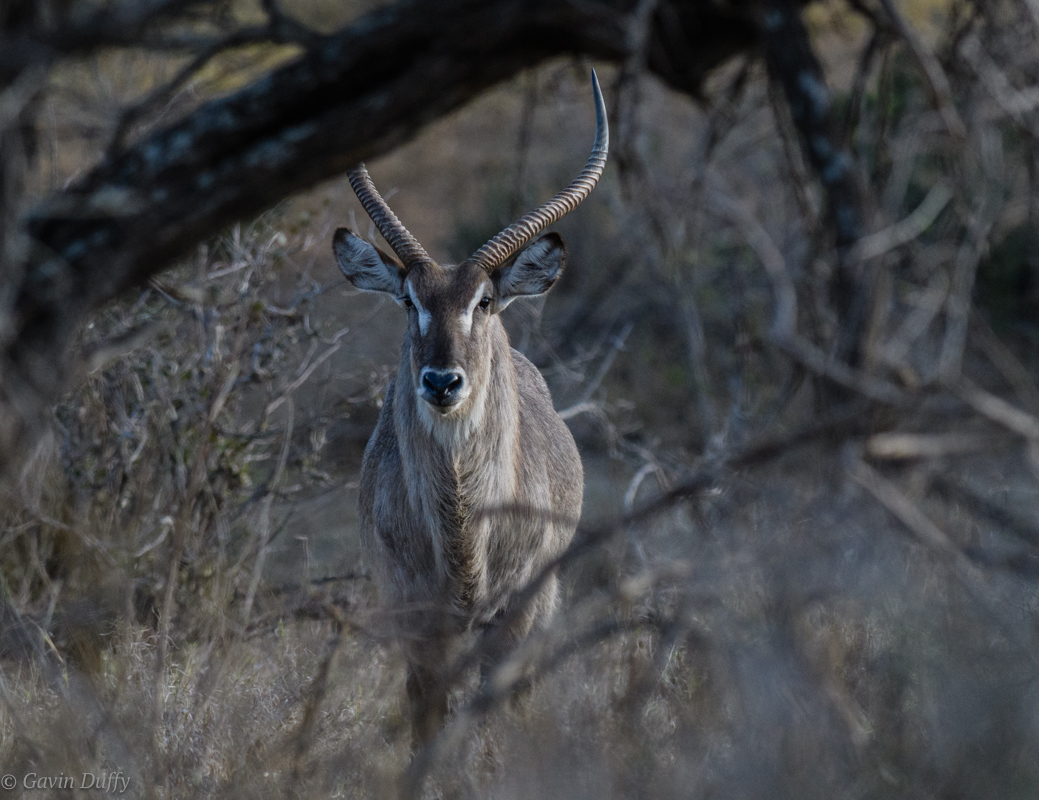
(450, 310)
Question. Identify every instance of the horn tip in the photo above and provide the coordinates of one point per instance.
(596, 90)
(602, 125)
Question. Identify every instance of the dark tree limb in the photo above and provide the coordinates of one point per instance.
(267, 33)
(793, 65)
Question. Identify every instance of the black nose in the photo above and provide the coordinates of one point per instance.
(442, 383)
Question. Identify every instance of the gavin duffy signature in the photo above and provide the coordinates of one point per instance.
(109, 782)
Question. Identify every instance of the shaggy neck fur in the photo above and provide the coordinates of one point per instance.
(462, 466)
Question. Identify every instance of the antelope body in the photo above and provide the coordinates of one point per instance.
(471, 483)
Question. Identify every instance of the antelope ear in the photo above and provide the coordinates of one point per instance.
(365, 265)
(534, 271)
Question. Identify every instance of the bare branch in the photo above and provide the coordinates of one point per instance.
(892, 498)
(163, 93)
(932, 70)
(928, 304)
(997, 409)
(784, 325)
(841, 374)
(784, 320)
(962, 287)
(265, 517)
(1033, 10)
(904, 231)
(1007, 363)
(1014, 103)
(906, 446)
(604, 367)
(878, 41)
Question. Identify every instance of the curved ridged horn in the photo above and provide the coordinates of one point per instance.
(407, 248)
(502, 247)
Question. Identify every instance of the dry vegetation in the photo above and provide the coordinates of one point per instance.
(794, 578)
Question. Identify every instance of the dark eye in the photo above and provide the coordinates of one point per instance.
(485, 303)
(407, 302)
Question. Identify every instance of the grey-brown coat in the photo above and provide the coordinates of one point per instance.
(471, 483)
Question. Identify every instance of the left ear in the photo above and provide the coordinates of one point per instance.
(534, 271)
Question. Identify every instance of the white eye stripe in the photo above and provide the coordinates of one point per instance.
(424, 317)
(466, 319)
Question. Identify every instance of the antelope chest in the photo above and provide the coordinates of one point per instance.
(469, 518)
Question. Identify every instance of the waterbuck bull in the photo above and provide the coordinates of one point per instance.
(471, 483)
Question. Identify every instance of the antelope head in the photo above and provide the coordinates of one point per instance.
(452, 310)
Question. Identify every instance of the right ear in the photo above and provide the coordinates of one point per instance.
(366, 266)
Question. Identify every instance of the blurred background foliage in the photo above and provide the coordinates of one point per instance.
(783, 589)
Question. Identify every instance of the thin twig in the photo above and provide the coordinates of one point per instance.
(997, 409)
(784, 320)
(1033, 10)
(1016, 373)
(292, 387)
(1012, 102)
(163, 93)
(315, 695)
(265, 515)
(280, 29)
(962, 288)
(892, 498)
(928, 303)
(877, 42)
(604, 367)
(784, 326)
(904, 446)
(904, 231)
(815, 360)
(936, 78)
